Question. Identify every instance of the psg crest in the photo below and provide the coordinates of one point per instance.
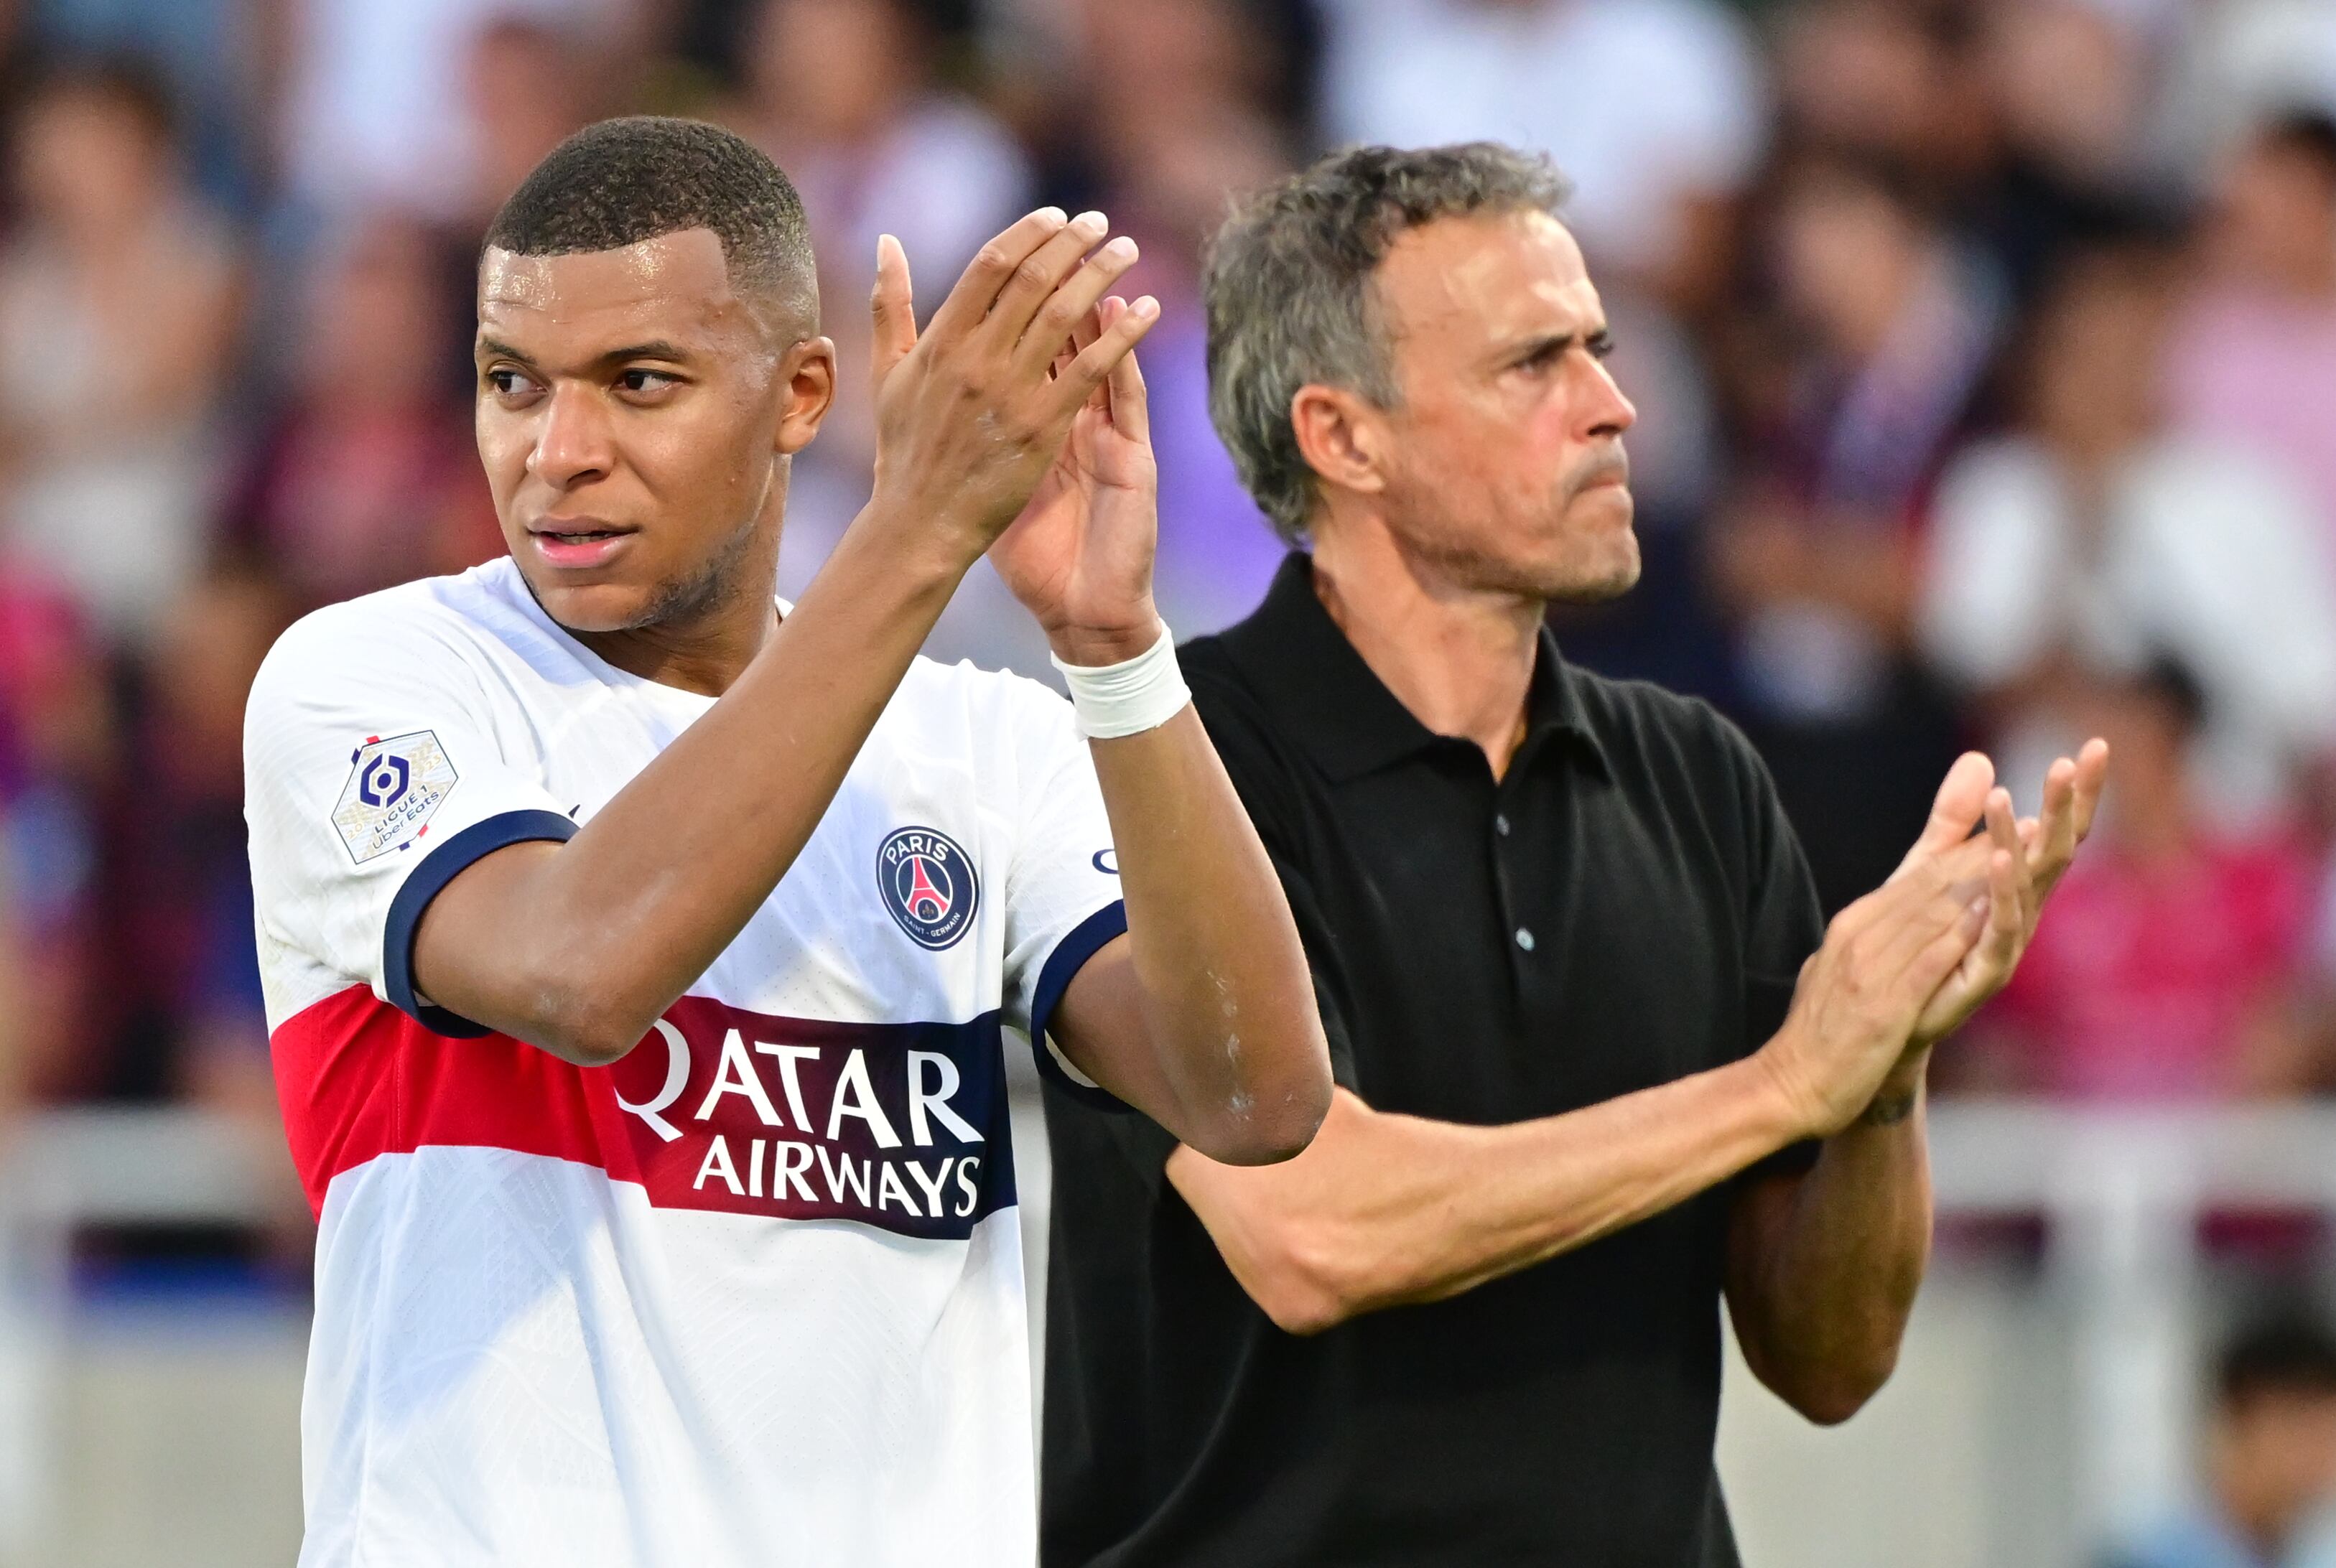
(928, 881)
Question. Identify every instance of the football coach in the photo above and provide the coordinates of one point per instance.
(1601, 1064)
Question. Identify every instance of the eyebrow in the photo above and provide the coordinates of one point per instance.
(1598, 341)
(496, 348)
(653, 348)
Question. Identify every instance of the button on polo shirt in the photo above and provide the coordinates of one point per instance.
(1625, 906)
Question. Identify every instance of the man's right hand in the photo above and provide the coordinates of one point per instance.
(970, 414)
(1860, 994)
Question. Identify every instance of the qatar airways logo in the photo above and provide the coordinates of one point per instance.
(901, 1125)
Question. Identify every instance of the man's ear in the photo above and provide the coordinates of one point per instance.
(808, 371)
(1341, 437)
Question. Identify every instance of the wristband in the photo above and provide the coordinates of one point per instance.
(1129, 698)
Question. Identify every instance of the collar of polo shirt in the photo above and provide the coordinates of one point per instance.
(1295, 651)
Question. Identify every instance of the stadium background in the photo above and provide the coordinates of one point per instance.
(1986, 357)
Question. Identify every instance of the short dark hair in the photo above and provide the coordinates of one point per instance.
(2288, 1351)
(620, 181)
(1290, 297)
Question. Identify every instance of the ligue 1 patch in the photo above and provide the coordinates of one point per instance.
(394, 787)
(928, 881)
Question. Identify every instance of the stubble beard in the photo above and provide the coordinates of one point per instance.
(716, 585)
(1591, 564)
(1586, 571)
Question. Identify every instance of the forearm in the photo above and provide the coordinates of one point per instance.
(1385, 1210)
(1824, 1266)
(579, 949)
(1234, 1045)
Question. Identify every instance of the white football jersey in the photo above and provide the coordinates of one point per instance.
(752, 1295)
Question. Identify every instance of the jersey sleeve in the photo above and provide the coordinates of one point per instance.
(377, 770)
(1062, 888)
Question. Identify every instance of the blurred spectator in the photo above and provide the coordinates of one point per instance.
(1657, 109)
(2269, 1457)
(843, 94)
(367, 475)
(1893, 318)
(1182, 92)
(189, 968)
(57, 755)
(2081, 156)
(2253, 357)
(187, 964)
(1890, 81)
(117, 307)
(213, 53)
(2168, 967)
(526, 83)
(382, 100)
(1867, 374)
(2094, 536)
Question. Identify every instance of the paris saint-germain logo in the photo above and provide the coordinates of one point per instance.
(928, 883)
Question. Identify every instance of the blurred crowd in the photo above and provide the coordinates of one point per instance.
(1985, 352)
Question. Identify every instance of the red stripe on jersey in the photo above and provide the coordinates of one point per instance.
(359, 1079)
(901, 1125)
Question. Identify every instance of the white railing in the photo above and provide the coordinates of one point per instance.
(2120, 1191)
(62, 1172)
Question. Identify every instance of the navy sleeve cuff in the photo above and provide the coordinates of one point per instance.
(442, 865)
(1070, 955)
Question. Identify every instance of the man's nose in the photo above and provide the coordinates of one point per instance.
(1609, 412)
(573, 443)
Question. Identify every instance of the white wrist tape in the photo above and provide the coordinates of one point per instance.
(1127, 698)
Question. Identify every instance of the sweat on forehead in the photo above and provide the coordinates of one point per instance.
(672, 286)
(619, 182)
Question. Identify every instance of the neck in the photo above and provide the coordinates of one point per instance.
(1461, 658)
(703, 653)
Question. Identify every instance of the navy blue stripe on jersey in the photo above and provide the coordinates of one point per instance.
(426, 881)
(1070, 955)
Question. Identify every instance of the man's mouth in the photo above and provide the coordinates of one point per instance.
(580, 532)
(578, 542)
(1614, 470)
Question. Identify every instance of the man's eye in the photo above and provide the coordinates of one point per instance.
(644, 381)
(507, 383)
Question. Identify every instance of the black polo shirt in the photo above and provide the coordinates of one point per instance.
(1627, 906)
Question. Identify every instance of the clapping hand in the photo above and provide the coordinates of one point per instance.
(1908, 962)
(1079, 557)
(2032, 854)
(971, 414)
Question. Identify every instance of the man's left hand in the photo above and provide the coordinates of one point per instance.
(2040, 849)
(1079, 557)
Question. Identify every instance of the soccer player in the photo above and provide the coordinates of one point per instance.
(638, 951)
